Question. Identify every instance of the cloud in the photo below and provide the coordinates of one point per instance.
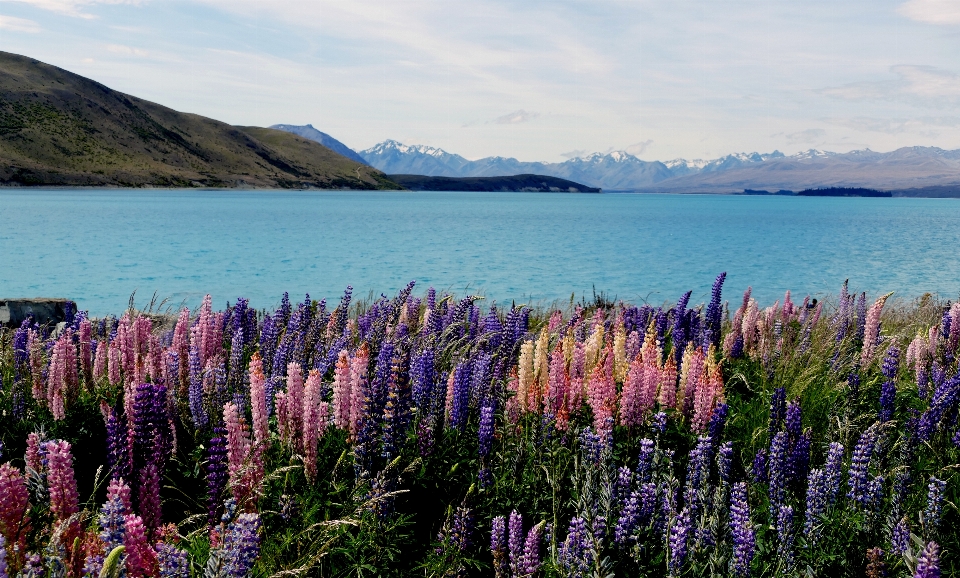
(125, 50)
(70, 7)
(575, 154)
(919, 85)
(932, 11)
(920, 125)
(806, 136)
(637, 149)
(515, 117)
(15, 24)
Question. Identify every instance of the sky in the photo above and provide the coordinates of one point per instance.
(535, 80)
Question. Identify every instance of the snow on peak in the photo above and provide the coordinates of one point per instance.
(812, 154)
(392, 145)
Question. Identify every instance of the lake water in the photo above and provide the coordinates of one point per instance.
(99, 246)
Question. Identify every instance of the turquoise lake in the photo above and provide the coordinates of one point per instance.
(99, 246)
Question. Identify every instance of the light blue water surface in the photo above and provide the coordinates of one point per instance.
(99, 246)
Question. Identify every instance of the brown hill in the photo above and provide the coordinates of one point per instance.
(61, 129)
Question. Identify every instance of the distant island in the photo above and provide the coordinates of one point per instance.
(843, 192)
(515, 183)
(756, 192)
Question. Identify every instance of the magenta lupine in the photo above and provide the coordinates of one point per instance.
(293, 425)
(64, 500)
(100, 360)
(359, 366)
(311, 422)
(141, 557)
(32, 455)
(14, 506)
(62, 381)
(113, 363)
(181, 346)
(342, 389)
(630, 412)
(119, 490)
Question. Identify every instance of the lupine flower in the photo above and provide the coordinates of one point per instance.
(498, 546)
(725, 461)
(832, 472)
(778, 411)
(645, 461)
(860, 462)
(241, 545)
(485, 432)
(679, 533)
(258, 401)
(217, 475)
(744, 540)
(871, 331)
(14, 505)
(876, 567)
(3, 557)
(777, 471)
(515, 543)
(714, 313)
(240, 466)
(141, 558)
(785, 535)
(888, 390)
(64, 500)
(531, 551)
(197, 411)
(934, 508)
(900, 537)
(459, 395)
(648, 502)
(928, 562)
(816, 501)
(629, 519)
(577, 552)
(311, 422)
(173, 561)
(461, 531)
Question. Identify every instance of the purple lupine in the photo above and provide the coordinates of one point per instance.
(714, 313)
(645, 462)
(901, 488)
(515, 542)
(785, 536)
(725, 461)
(943, 402)
(744, 539)
(778, 411)
(622, 485)
(858, 481)
(216, 473)
(832, 472)
(531, 551)
(758, 469)
(793, 420)
(629, 519)
(395, 412)
(118, 449)
(461, 531)
(888, 390)
(577, 552)
(480, 379)
(777, 472)
(173, 561)
(928, 562)
(195, 393)
(717, 421)
(658, 423)
(461, 395)
(423, 380)
(498, 547)
(241, 545)
(934, 508)
(861, 316)
(799, 462)
(816, 502)
(900, 537)
(485, 432)
(679, 534)
(648, 502)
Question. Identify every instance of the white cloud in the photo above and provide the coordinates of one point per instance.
(932, 11)
(15, 24)
(575, 154)
(639, 148)
(70, 7)
(126, 50)
(925, 86)
(516, 117)
(810, 135)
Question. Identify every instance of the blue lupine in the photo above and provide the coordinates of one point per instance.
(645, 462)
(793, 420)
(725, 461)
(577, 551)
(888, 390)
(758, 469)
(461, 395)
(515, 541)
(860, 462)
(777, 471)
(498, 547)
(943, 402)
(659, 422)
(928, 562)
(648, 502)
(900, 537)
(785, 535)
(679, 534)
(197, 410)
(216, 472)
(799, 461)
(3, 557)
(118, 449)
(778, 410)
(480, 379)
(485, 432)
(241, 544)
(173, 561)
(423, 379)
(718, 420)
(816, 502)
(934, 508)
(714, 313)
(861, 316)
(629, 519)
(832, 470)
(744, 539)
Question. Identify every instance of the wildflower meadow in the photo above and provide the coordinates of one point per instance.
(427, 434)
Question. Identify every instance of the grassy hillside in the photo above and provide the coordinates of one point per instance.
(58, 128)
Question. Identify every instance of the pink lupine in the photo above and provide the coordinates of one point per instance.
(787, 308)
(668, 383)
(114, 363)
(602, 391)
(630, 414)
(32, 456)
(708, 391)
(85, 334)
(953, 338)
(556, 318)
(294, 425)
(341, 392)
(120, 490)
(690, 379)
(141, 557)
(524, 374)
(62, 380)
(448, 406)
(541, 368)
(558, 383)
(181, 345)
(100, 360)
(238, 453)
(155, 365)
(871, 334)
(64, 500)
(258, 400)
(578, 365)
(650, 356)
(933, 340)
(280, 404)
(512, 407)
(14, 507)
(358, 380)
(311, 422)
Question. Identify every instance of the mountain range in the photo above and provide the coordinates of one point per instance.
(903, 169)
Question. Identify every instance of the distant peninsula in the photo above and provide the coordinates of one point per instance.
(515, 183)
(61, 129)
(843, 192)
